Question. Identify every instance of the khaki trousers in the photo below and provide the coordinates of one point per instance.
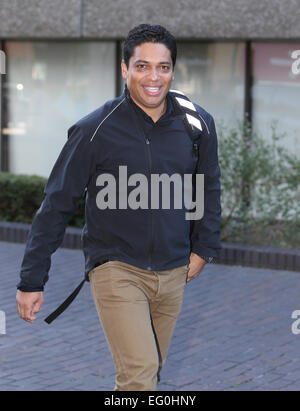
(138, 310)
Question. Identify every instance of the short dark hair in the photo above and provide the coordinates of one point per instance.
(147, 33)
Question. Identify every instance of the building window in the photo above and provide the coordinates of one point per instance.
(212, 75)
(48, 87)
(275, 93)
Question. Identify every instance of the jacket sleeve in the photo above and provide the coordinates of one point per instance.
(205, 232)
(64, 188)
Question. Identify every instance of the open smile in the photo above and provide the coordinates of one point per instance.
(152, 91)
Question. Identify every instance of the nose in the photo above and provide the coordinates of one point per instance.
(153, 75)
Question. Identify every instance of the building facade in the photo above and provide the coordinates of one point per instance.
(62, 61)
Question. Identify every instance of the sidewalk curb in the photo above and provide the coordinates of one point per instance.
(259, 256)
(231, 253)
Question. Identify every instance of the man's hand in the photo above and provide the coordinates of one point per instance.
(29, 303)
(195, 267)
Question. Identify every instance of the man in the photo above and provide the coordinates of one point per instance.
(138, 258)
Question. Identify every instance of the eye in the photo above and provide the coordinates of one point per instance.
(141, 66)
(165, 68)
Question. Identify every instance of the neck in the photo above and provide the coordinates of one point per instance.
(158, 112)
(154, 113)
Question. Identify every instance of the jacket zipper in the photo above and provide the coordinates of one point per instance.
(147, 141)
(152, 228)
(195, 149)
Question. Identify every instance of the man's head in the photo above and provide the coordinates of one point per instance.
(149, 57)
(147, 33)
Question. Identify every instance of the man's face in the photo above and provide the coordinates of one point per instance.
(149, 74)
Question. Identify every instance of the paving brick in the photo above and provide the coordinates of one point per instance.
(234, 332)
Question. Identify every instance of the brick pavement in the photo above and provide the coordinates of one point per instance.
(234, 332)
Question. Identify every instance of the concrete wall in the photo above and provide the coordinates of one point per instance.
(187, 19)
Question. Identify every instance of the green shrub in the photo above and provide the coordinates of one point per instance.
(22, 195)
(260, 188)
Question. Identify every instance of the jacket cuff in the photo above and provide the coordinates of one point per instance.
(205, 251)
(28, 289)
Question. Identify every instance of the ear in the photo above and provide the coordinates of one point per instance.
(124, 70)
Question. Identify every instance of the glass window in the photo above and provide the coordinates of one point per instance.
(276, 92)
(212, 75)
(48, 87)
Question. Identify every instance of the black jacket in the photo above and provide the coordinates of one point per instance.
(120, 133)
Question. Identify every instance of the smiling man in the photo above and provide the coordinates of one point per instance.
(138, 261)
(149, 74)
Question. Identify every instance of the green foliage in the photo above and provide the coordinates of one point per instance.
(22, 195)
(260, 188)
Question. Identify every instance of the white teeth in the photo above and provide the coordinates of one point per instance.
(152, 89)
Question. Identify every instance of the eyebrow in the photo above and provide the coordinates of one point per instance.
(145, 61)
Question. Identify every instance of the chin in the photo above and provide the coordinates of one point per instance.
(154, 101)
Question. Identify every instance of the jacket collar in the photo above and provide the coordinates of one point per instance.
(172, 109)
